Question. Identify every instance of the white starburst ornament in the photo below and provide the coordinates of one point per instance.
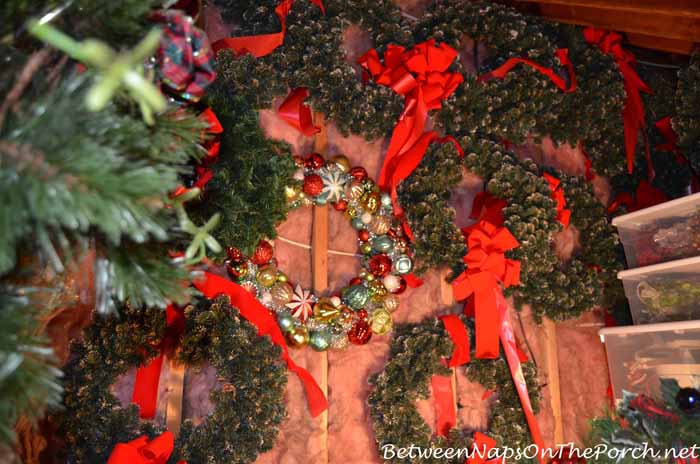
(333, 185)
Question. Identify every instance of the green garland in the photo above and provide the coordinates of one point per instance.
(312, 57)
(686, 120)
(248, 409)
(251, 174)
(640, 427)
(417, 351)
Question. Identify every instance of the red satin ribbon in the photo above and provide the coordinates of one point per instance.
(143, 451)
(255, 313)
(263, 44)
(647, 405)
(646, 195)
(562, 54)
(460, 339)
(633, 113)
(444, 404)
(489, 208)
(480, 450)
(510, 348)
(589, 175)
(487, 268)
(145, 393)
(563, 214)
(671, 145)
(420, 75)
(294, 112)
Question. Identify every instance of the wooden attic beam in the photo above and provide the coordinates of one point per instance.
(667, 25)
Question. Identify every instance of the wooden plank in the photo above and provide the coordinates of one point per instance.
(671, 26)
(176, 384)
(553, 383)
(319, 268)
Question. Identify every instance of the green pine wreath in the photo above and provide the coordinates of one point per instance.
(417, 351)
(247, 410)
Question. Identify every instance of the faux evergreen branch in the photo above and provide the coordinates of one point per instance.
(250, 176)
(28, 378)
(686, 120)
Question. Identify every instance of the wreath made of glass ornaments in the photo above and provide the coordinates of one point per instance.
(364, 306)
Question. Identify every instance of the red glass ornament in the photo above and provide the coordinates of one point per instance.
(313, 185)
(360, 333)
(392, 233)
(314, 161)
(234, 254)
(401, 288)
(362, 314)
(340, 205)
(263, 253)
(354, 281)
(363, 235)
(380, 265)
(359, 173)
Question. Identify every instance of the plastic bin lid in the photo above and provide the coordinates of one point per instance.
(646, 328)
(667, 208)
(654, 268)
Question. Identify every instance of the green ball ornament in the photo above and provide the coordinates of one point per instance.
(285, 321)
(382, 243)
(403, 265)
(320, 340)
(366, 248)
(356, 296)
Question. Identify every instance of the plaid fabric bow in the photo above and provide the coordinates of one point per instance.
(185, 58)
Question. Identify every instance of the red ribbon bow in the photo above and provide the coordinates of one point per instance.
(255, 313)
(294, 112)
(145, 393)
(562, 54)
(633, 113)
(143, 451)
(263, 44)
(563, 214)
(487, 267)
(420, 75)
(647, 406)
(664, 126)
(645, 196)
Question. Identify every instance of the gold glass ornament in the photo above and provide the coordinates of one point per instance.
(366, 248)
(342, 161)
(381, 322)
(351, 211)
(370, 202)
(281, 293)
(282, 277)
(297, 336)
(377, 290)
(391, 303)
(291, 193)
(401, 245)
(267, 276)
(326, 311)
(380, 225)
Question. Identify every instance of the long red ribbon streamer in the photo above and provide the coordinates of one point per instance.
(444, 404)
(633, 113)
(263, 44)
(145, 393)
(251, 309)
(460, 339)
(563, 214)
(294, 112)
(561, 53)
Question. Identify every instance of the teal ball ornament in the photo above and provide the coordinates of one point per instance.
(356, 296)
(320, 340)
(357, 223)
(382, 243)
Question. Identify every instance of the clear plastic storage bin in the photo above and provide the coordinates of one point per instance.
(640, 356)
(662, 233)
(664, 292)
